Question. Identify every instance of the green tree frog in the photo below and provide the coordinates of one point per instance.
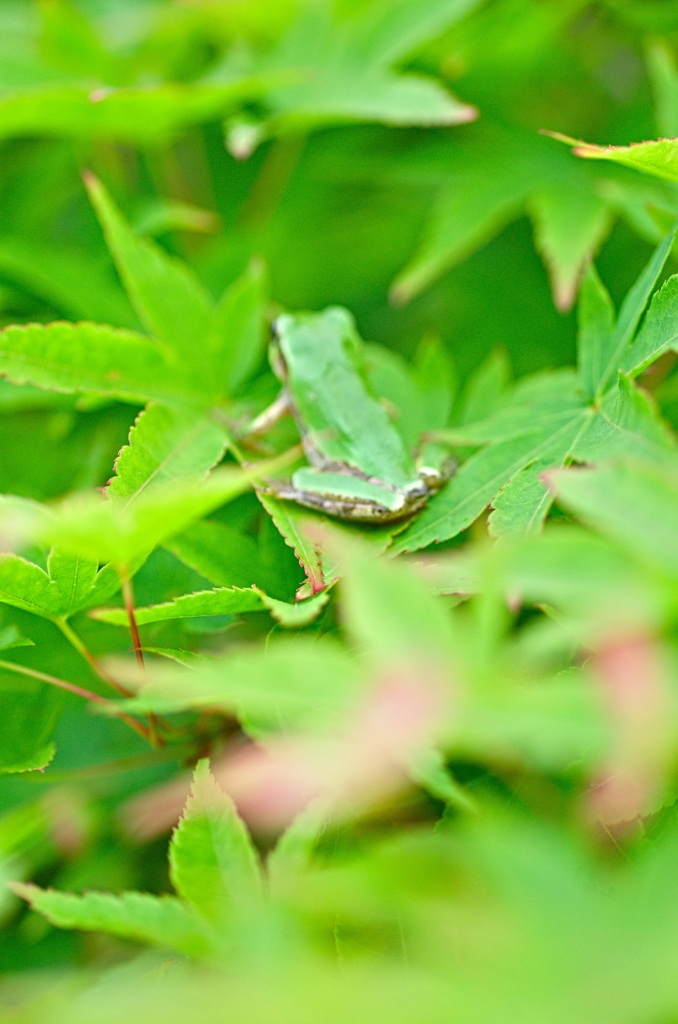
(360, 468)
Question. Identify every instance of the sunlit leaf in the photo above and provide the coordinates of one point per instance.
(213, 863)
(166, 444)
(224, 601)
(168, 298)
(88, 357)
(161, 920)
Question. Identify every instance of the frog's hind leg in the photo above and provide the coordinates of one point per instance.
(352, 511)
(435, 464)
(306, 498)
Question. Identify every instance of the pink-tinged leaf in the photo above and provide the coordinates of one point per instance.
(635, 685)
(365, 762)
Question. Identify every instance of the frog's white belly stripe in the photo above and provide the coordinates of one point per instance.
(344, 488)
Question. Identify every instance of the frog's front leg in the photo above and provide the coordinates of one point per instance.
(277, 410)
(281, 407)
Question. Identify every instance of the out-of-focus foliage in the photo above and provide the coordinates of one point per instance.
(416, 771)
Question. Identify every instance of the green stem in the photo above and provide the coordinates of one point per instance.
(83, 650)
(23, 670)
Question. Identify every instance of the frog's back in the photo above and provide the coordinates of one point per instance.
(328, 387)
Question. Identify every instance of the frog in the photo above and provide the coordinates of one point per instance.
(359, 466)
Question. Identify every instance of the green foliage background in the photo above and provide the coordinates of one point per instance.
(173, 175)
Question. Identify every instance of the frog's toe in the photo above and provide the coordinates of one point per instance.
(430, 476)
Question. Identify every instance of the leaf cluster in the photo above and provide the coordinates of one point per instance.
(257, 764)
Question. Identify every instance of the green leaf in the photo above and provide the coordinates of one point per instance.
(68, 42)
(582, 575)
(299, 529)
(388, 610)
(421, 395)
(133, 115)
(658, 333)
(392, 379)
(25, 585)
(168, 298)
(474, 205)
(159, 920)
(236, 338)
(658, 158)
(344, 73)
(494, 174)
(290, 685)
(221, 554)
(596, 323)
(224, 601)
(294, 849)
(663, 74)
(213, 863)
(10, 636)
(166, 444)
(570, 222)
(632, 309)
(158, 217)
(390, 32)
(546, 420)
(290, 520)
(544, 401)
(628, 424)
(73, 582)
(187, 658)
(486, 388)
(70, 584)
(548, 724)
(435, 374)
(89, 357)
(297, 615)
(69, 279)
(528, 436)
(636, 504)
(29, 715)
(523, 503)
(120, 531)
(429, 770)
(482, 476)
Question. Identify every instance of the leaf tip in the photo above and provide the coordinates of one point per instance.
(24, 890)
(564, 292)
(399, 293)
(550, 478)
(463, 113)
(89, 178)
(560, 137)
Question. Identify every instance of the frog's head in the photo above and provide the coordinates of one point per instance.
(320, 338)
